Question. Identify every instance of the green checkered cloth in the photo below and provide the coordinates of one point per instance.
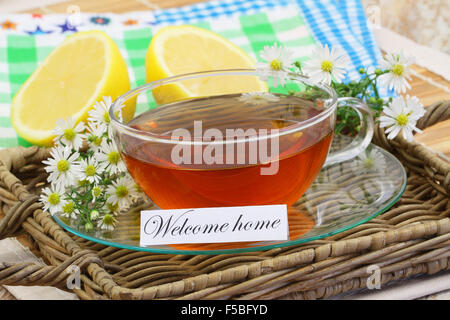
(21, 54)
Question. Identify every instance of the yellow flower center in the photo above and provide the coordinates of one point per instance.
(90, 170)
(402, 119)
(368, 163)
(327, 66)
(53, 199)
(106, 117)
(108, 219)
(121, 191)
(398, 69)
(97, 141)
(113, 157)
(68, 207)
(276, 65)
(97, 191)
(63, 165)
(69, 134)
(112, 206)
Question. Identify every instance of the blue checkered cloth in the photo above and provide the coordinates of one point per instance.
(338, 23)
(342, 23)
(204, 10)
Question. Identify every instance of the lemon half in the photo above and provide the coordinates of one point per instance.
(177, 50)
(84, 68)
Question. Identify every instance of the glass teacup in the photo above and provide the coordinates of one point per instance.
(264, 145)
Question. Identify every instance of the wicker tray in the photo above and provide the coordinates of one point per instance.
(411, 238)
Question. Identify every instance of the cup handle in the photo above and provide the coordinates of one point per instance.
(363, 138)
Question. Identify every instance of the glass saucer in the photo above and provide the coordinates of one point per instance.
(342, 197)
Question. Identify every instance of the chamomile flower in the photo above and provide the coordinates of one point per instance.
(100, 114)
(258, 98)
(90, 170)
(326, 65)
(277, 62)
(100, 111)
(69, 134)
(107, 222)
(68, 210)
(122, 192)
(96, 192)
(53, 199)
(62, 166)
(398, 71)
(415, 106)
(110, 158)
(369, 161)
(401, 116)
(95, 135)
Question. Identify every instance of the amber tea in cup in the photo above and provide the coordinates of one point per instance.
(234, 149)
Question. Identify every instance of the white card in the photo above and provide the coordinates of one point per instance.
(214, 225)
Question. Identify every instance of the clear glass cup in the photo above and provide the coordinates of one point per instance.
(232, 147)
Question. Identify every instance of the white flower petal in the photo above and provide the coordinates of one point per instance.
(392, 79)
(393, 132)
(335, 57)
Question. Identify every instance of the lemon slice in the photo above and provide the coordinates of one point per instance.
(84, 68)
(176, 50)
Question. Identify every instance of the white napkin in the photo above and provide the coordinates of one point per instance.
(13, 251)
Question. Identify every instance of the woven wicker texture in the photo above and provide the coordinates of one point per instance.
(411, 238)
